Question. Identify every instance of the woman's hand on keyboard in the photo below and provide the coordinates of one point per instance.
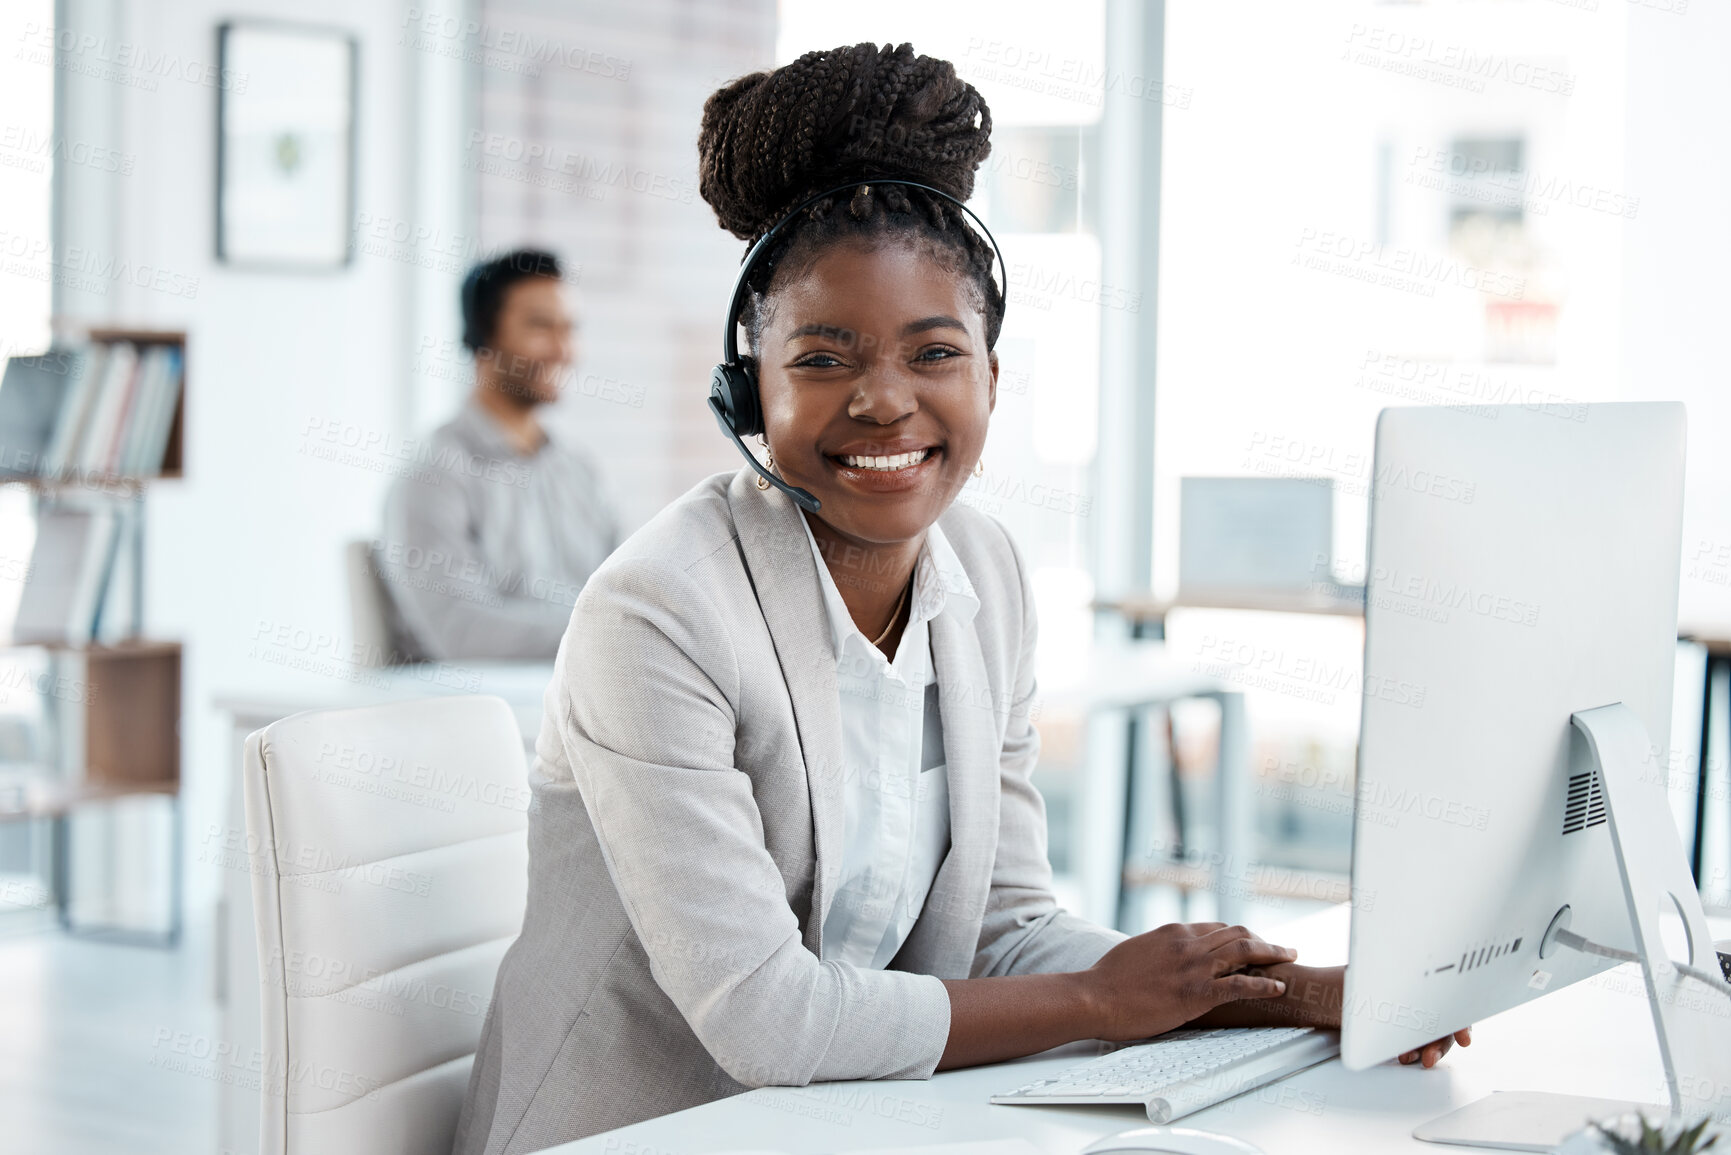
(1314, 998)
(1160, 980)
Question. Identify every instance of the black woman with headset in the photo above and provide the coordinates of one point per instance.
(783, 828)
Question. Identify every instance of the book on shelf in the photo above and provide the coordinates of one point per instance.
(68, 576)
(74, 414)
(105, 409)
(33, 392)
(147, 437)
(114, 619)
(108, 409)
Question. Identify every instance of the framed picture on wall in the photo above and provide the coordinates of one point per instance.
(285, 145)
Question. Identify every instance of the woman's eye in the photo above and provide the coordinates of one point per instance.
(818, 361)
(937, 353)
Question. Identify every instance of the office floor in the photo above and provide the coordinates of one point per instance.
(100, 1046)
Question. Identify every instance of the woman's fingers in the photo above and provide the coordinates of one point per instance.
(1432, 1052)
(1219, 933)
(1427, 1054)
(1229, 988)
(1249, 951)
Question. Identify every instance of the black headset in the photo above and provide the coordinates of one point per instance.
(470, 296)
(733, 396)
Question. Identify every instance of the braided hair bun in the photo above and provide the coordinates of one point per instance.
(773, 139)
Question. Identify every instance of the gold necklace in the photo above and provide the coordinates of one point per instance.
(896, 613)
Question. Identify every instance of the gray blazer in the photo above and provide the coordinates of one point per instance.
(686, 829)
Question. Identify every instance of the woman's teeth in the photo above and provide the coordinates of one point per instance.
(885, 464)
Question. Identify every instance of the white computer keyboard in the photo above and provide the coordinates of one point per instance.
(1186, 1070)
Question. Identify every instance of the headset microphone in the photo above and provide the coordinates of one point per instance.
(802, 496)
(733, 396)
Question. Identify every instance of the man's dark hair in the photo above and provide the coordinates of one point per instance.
(772, 139)
(484, 289)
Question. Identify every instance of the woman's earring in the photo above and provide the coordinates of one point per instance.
(768, 463)
(979, 467)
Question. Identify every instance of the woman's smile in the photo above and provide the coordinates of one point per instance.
(890, 470)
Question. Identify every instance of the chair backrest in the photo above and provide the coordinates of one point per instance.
(369, 610)
(390, 871)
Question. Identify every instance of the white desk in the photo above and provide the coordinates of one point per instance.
(1595, 1038)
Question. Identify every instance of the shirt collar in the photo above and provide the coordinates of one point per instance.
(941, 586)
(484, 430)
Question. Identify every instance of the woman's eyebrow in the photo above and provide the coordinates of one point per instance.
(841, 333)
(819, 329)
(941, 321)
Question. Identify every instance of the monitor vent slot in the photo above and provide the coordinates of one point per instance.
(1475, 957)
(1586, 804)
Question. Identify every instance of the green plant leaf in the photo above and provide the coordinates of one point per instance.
(1652, 1140)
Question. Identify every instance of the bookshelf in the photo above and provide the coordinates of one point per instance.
(112, 700)
(171, 468)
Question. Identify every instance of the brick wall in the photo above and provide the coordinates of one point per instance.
(585, 143)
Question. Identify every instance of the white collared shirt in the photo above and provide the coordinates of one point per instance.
(895, 787)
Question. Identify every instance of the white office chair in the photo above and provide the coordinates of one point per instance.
(390, 873)
(369, 607)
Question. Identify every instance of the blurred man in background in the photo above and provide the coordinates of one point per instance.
(485, 550)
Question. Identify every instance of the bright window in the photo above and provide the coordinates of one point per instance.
(29, 151)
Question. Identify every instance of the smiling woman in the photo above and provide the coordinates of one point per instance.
(783, 827)
(871, 310)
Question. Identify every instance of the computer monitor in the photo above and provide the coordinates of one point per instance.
(1520, 647)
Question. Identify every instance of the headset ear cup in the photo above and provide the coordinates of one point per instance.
(750, 402)
(734, 386)
(469, 296)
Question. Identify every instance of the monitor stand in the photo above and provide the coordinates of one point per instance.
(1695, 1048)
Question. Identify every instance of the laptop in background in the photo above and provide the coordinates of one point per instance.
(1240, 536)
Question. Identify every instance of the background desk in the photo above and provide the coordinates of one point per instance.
(1595, 1038)
(1116, 685)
